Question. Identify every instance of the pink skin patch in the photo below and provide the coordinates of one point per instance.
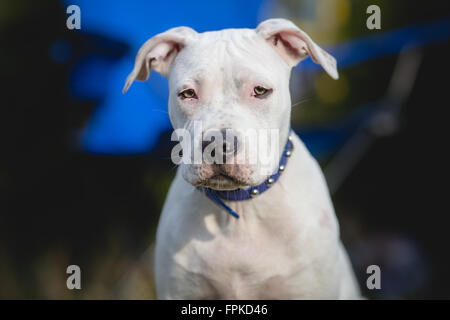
(324, 220)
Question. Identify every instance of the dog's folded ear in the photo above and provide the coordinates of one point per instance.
(158, 53)
(294, 45)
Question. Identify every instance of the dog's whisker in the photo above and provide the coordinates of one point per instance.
(300, 102)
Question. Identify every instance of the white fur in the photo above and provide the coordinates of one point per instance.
(286, 243)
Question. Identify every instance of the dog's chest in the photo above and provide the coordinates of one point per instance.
(250, 260)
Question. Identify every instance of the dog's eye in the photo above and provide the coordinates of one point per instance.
(188, 94)
(261, 92)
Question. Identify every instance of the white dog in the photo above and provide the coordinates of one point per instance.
(285, 243)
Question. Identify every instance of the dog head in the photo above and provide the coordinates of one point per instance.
(233, 87)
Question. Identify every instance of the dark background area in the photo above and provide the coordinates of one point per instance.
(60, 205)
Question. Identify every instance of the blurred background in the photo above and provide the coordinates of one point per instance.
(84, 170)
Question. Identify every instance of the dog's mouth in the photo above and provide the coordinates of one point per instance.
(223, 177)
(223, 181)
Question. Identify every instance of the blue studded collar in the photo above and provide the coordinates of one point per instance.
(245, 194)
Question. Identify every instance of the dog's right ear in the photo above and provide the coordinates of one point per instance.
(294, 45)
(158, 53)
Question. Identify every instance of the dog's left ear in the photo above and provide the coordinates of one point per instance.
(294, 45)
(158, 53)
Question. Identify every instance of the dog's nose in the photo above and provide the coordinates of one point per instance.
(229, 143)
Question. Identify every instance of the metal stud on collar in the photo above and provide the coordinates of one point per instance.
(281, 168)
(254, 192)
(270, 181)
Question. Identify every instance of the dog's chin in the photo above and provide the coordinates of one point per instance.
(222, 182)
